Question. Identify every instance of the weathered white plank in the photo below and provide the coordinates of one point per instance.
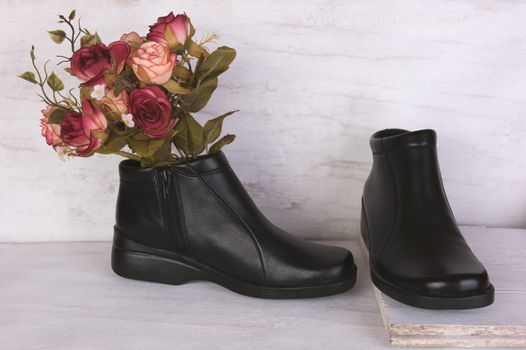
(503, 324)
(313, 80)
(64, 296)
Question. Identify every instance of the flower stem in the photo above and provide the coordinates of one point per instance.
(73, 37)
(41, 84)
(128, 155)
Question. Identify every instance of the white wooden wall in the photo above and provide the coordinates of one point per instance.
(313, 80)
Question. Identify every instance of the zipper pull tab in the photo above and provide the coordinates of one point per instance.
(166, 182)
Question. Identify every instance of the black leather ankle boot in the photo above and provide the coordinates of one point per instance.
(195, 221)
(416, 251)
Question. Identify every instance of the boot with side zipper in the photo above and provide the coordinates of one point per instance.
(195, 221)
(416, 251)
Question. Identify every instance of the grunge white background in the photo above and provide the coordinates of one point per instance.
(313, 80)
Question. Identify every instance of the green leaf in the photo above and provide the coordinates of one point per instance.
(193, 78)
(195, 136)
(195, 49)
(113, 143)
(57, 115)
(69, 71)
(173, 87)
(120, 130)
(141, 136)
(181, 72)
(145, 148)
(128, 78)
(216, 63)
(72, 15)
(109, 78)
(57, 36)
(85, 93)
(212, 128)
(205, 79)
(161, 157)
(190, 136)
(28, 76)
(118, 88)
(192, 29)
(55, 83)
(180, 140)
(225, 140)
(89, 39)
(201, 95)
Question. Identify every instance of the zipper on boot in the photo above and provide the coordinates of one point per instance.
(169, 207)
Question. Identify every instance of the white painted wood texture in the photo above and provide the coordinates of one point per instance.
(502, 324)
(313, 79)
(64, 296)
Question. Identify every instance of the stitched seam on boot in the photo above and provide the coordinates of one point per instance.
(218, 170)
(180, 213)
(381, 252)
(251, 233)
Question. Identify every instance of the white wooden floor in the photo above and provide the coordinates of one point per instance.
(64, 296)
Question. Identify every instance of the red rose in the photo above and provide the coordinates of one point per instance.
(75, 129)
(89, 63)
(179, 25)
(152, 111)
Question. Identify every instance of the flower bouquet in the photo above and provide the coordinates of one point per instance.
(180, 216)
(136, 95)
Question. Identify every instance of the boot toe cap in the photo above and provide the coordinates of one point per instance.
(454, 285)
(330, 265)
(459, 284)
(312, 265)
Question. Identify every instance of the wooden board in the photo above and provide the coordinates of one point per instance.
(503, 324)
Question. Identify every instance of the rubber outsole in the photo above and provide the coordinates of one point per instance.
(132, 260)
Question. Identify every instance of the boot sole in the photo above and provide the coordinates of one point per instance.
(135, 261)
(460, 302)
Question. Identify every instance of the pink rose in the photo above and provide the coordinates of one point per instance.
(51, 132)
(152, 111)
(179, 26)
(76, 129)
(117, 104)
(89, 63)
(153, 63)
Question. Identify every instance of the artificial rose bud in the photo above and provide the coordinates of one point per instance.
(89, 63)
(153, 63)
(117, 104)
(51, 132)
(152, 111)
(133, 39)
(76, 129)
(179, 26)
